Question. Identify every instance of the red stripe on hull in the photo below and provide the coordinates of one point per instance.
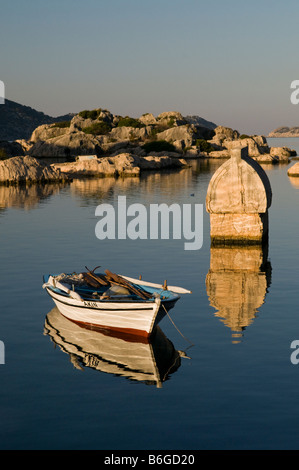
(127, 334)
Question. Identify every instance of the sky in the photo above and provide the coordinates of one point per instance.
(229, 62)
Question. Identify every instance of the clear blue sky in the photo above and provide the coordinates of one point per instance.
(230, 61)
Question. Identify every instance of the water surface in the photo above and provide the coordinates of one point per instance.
(236, 387)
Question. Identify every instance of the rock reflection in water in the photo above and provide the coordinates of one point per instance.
(237, 283)
(294, 180)
(27, 196)
(135, 358)
(91, 190)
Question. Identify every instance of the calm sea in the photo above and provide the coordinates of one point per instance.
(230, 382)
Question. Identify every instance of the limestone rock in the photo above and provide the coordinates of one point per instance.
(171, 116)
(25, 144)
(192, 152)
(47, 131)
(294, 170)
(283, 154)
(256, 145)
(125, 164)
(78, 123)
(106, 166)
(26, 169)
(238, 228)
(53, 141)
(77, 143)
(219, 154)
(184, 134)
(285, 131)
(226, 139)
(238, 198)
(148, 119)
(152, 162)
(224, 134)
(129, 133)
(266, 158)
(239, 186)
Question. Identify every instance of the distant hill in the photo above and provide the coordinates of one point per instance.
(18, 121)
(201, 122)
(285, 131)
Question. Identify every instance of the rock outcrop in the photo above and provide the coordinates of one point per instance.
(66, 145)
(285, 131)
(47, 131)
(125, 164)
(294, 170)
(106, 134)
(226, 140)
(102, 133)
(18, 170)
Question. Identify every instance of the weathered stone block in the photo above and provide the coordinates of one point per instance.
(238, 228)
(238, 198)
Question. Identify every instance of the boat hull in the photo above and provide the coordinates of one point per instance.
(137, 318)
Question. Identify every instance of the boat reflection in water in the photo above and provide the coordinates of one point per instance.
(150, 361)
(237, 284)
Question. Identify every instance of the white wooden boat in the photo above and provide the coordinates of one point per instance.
(145, 360)
(111, 301)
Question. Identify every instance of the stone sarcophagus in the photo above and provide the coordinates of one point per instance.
(238, 198)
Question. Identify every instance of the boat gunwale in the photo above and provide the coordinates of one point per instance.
(149, 302)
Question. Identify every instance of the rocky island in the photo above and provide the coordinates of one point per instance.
(97, 143)
(285, 131)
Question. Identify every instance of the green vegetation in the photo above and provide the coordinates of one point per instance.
(153, 133)
(158, 146)
(98, 128)
(204, 145)
(130, 122)
(171, 122)
(94, 114)
(62, 124)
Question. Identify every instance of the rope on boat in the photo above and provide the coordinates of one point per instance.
(192, 344)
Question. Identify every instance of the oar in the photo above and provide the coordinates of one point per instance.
(176, 289)
(123, 282)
